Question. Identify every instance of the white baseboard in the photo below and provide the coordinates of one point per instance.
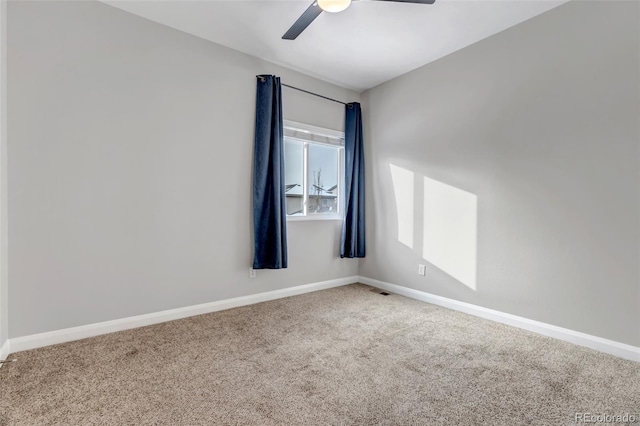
(33, 341)
(621, 350)
(4, 351)
(18, 344)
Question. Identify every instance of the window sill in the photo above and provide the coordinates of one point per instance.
(313, 217)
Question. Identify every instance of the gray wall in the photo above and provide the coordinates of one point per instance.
(4, 305)
(537, 127)
(130, 152)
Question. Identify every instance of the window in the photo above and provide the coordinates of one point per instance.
(313, 172)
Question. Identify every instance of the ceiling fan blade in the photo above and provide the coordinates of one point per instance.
(303, 21)
(411, 1)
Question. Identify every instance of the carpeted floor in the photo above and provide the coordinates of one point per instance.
(345, 356)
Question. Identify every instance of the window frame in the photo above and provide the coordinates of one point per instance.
(318, 132)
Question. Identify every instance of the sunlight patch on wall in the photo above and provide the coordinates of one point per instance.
(450, 230)
(403, 189)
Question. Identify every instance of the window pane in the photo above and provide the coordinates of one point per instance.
(323, 179)
(293, 176)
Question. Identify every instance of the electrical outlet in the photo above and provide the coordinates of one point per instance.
(422, 270)
(252, 273)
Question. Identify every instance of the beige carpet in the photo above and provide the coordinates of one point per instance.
(344, 356)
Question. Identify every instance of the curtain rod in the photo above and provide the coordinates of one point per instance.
(314, 94)
(262, 79)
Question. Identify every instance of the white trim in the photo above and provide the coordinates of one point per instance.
(307, 128)
(5, 350)
(305, 179)
(307, 140)
(75, 333)
(316, 216)
(18, 344)
(621, 350)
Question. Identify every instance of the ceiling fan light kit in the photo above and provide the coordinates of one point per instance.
(334, 5)
(319, 6)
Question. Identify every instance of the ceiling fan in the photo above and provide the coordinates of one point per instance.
(319, 6)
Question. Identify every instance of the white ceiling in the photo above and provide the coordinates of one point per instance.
(367, 44)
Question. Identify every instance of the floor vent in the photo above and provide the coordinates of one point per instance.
(382, 292)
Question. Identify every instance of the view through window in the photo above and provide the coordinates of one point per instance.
(313, 171)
